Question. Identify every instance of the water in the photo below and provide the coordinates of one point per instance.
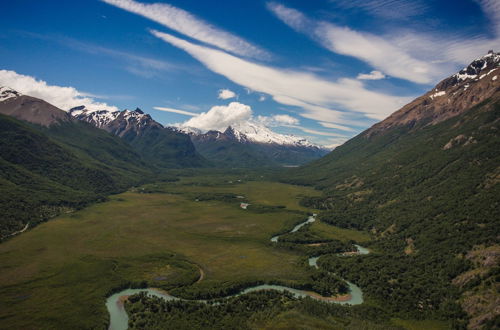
(361, 250)
(119, 317)
(311, 219)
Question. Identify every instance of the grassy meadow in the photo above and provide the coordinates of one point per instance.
(58, 274)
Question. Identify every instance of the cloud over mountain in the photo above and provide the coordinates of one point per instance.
(62, 97)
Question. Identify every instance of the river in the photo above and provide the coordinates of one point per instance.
(119, 318)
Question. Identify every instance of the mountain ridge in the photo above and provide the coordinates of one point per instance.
(450, 97)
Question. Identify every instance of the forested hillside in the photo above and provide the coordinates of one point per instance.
(429, 193)
(49, 170)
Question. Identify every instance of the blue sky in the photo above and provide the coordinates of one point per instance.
(324, 69)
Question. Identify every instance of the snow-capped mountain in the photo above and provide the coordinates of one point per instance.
(250, 144)
(163, 145)
(119, 123)
(254, 132)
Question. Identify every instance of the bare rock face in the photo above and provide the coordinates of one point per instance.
(451, 97)
(30, 109)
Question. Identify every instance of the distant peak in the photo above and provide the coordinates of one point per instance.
(8, 93)
(138, 110)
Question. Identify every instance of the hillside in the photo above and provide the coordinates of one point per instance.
(49, 170)
(425, 183)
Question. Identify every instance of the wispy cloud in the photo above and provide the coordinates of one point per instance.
(374, 75)
(393, 9)
(336, 126)
(376, 51)
(191, 26)
(410, 55)
(278, 120)
(143, 66)
(181, 112)
(315, 95)
(64, 98)
(140, 65)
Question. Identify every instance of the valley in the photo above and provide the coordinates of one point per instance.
(158, 239)
(288, 165)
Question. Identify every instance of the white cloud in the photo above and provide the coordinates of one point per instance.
(315, 95)
(336, 126)
(409, 55)
(374, 75)
(262, 98)
(225, 94)
(220, 117)
(335, 142)
(184, 22)
(181, 112)
(64, 98)
(278, 120)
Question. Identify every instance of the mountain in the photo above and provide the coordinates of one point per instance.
(426, 183)
(251, 144)
(162, 146)
(51, 163)
(29, 108)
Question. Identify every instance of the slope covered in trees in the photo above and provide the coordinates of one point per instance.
(429, 194)
(48, 170)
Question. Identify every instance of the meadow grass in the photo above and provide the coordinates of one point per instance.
(57, 275)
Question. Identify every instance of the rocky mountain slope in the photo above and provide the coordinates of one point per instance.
(451, 97)
(31, 109)
(426, 183)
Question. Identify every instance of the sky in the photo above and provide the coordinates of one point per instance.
(324, 70)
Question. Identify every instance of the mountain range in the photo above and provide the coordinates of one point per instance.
(242, 145)
(424, 182)
(252, 144)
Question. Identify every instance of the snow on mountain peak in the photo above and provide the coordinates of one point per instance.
(472, 71)
(99, 118)
(8, 93)
(253, 131)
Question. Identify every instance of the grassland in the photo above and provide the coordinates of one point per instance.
(58, 274)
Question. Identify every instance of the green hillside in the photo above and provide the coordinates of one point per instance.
(45, 171)
(430, 194)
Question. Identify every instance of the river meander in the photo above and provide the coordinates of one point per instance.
(119, 317)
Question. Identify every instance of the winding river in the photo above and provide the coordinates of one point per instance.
(119, 317)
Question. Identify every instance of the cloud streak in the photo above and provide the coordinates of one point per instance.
(184, 22)
(413, 56)
(315, 95)
(64, 98)
(374, 75)
(181, 112)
